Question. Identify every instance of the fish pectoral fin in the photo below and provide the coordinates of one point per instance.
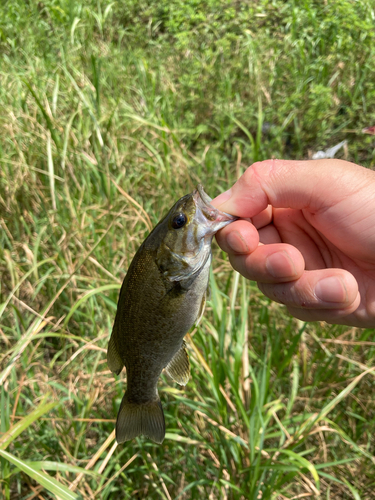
(113, 357)
(135, 419)
(179, 367)
(201, 309)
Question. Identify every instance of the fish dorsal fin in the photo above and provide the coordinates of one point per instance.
(113, 357)
(179, 367)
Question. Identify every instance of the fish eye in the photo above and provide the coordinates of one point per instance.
(179, 221)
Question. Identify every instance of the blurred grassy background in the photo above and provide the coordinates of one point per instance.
(110, 111)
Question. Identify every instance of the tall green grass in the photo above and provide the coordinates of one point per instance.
(109, 113)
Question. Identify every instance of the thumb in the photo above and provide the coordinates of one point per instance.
(314, 185)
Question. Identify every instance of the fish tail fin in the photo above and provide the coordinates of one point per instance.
(135, 419)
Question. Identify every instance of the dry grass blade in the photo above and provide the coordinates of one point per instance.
(348, 342)
(117, 474)
(93, 460)
(87, 346)
(160, 477)
(51, 172)
(356, 363)
(107, 458)
(146, 218)
(228, 432)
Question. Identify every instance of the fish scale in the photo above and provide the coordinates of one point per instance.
(162, 296)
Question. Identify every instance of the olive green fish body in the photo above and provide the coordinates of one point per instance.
(162, 296)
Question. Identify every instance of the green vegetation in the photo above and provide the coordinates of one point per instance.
(110, 111)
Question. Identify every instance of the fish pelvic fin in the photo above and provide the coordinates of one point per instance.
(179, 366)
(114, 360)
(136, 419)
(201, 309)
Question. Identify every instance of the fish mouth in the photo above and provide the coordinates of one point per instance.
(205, 198)
(216, 217)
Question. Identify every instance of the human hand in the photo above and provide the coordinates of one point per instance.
(311, 241)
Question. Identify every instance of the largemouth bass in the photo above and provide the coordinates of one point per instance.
(162, 296)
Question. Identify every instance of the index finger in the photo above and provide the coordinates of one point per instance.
(292, 184)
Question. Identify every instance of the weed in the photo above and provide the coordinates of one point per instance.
(110, 112)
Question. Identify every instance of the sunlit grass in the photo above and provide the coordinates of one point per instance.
(110, 112)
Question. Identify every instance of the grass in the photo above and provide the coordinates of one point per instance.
(110, 112)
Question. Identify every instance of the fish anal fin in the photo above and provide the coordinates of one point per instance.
(113, 357)
(135, 419)
(179, 367)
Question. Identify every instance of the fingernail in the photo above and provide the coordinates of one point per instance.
(237, 243)
(331, 289)
(222, 198)
(280, 265)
